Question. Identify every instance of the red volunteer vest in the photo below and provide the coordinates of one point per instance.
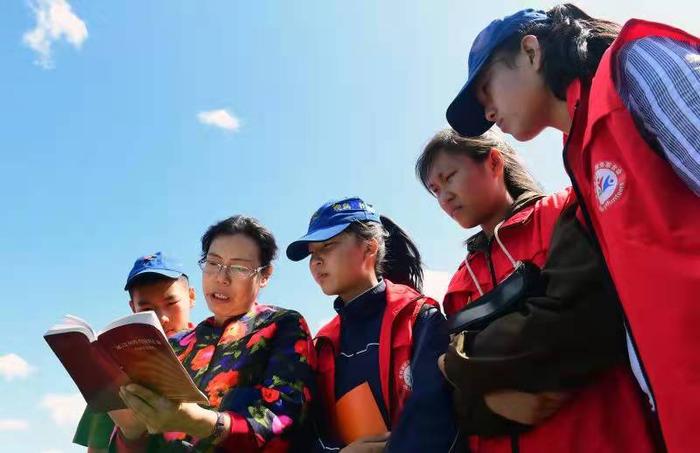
(532, 229)
(395, 348)
(607, 416)
(647, 223)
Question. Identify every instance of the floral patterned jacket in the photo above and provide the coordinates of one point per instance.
(259, 369)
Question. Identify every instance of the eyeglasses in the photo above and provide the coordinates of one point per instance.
(233, 271)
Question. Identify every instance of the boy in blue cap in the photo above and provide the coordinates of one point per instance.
(156, 282)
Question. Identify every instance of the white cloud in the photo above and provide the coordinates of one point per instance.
(65, 410)
(9, 424)
(13, 366)
(55, 20)
(435, 284)
(220, 118)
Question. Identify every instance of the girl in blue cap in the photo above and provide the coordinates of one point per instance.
(627, 100)
(379, 383)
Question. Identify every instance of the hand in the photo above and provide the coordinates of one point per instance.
(130, 426)
(441, 366)
(368, 444)
(526, 408)
(160, 415)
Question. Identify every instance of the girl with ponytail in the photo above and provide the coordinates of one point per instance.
(379, 385)
(538, 354)
(627, 100)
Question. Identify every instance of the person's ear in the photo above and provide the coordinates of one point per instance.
(495, 163)
(133, 308)
(193, 296)
(265, 275)
(531, 47)
(371, 248)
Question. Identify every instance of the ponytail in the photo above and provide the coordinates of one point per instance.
(402, 261)
(398, 258)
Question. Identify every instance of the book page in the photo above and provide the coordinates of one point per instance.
(70, 323)
(145, 355)
(144, 317)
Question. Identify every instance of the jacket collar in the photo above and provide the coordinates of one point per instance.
(519, 212)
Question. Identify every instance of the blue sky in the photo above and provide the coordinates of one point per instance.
(105, 154)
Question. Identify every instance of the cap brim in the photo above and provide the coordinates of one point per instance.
(299, 249)
(163, 272)
(465, 114)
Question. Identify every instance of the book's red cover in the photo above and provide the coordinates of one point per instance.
(97, 376)
(137, 353)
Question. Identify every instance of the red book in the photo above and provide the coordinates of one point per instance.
(133, 349)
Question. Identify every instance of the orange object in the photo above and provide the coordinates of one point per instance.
(358, 415)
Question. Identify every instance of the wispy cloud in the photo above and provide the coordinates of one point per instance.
(65, 410)
(55, 20)
(13, 366)
(10, 424)
(220, 118)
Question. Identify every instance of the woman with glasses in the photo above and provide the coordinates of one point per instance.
(253, 361)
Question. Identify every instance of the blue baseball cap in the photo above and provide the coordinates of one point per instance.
(465, 114)
(155, 264)
(330, 220)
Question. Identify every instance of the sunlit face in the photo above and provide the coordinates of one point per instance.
(467, 190)
(171, 300)
(514, 94)
(231, 295)
(338, 264)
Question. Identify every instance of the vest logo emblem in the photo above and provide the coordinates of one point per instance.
(406, 377)
(610, 180)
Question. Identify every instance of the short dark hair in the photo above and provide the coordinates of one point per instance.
(152, 278)
(573, 44)
(248, 226)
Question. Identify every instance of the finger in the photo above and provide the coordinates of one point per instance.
(140, 407)
(157, 402)
(441, 363)
(122, 416)
(449, 366)
(139, 418)
(142, 392)
(383, 437)
(553, 402)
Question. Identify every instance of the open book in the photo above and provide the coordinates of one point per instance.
(132, 349)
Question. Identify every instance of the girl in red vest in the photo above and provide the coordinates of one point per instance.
(563, 339)
(377, 359)
(628, 102)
